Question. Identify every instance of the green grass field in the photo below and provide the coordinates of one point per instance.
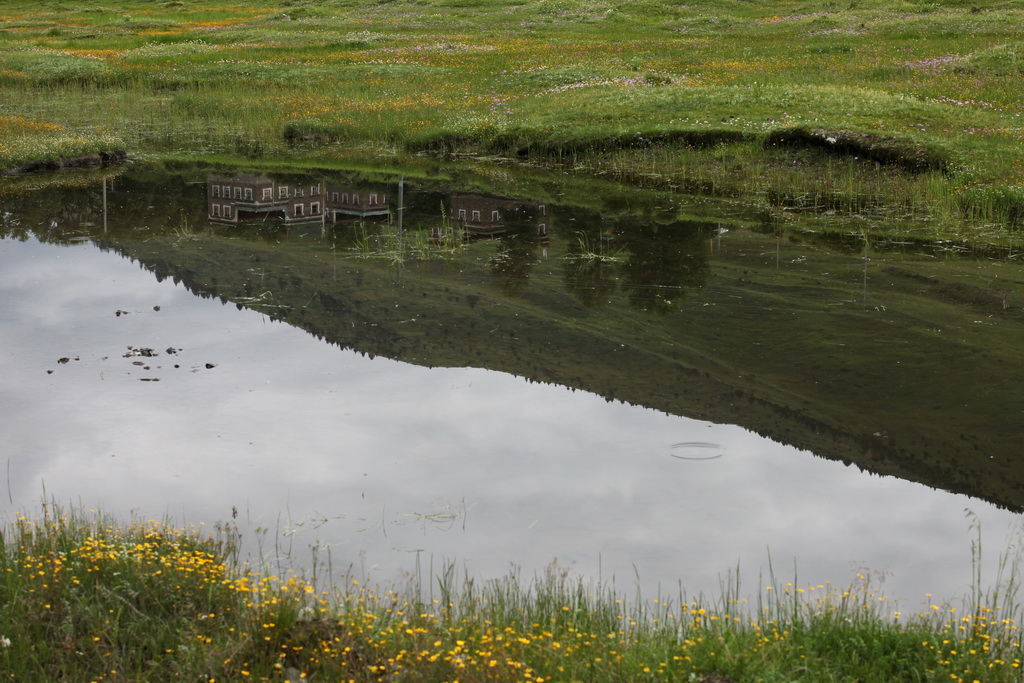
(805, 103)
(86, 599)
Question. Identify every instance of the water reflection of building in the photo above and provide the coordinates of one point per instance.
(350, 202)
(488, 216)
(248, 197)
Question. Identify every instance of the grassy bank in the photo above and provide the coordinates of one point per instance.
(805, 105)
(84, 599)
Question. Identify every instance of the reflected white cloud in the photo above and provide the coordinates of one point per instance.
(381, 459)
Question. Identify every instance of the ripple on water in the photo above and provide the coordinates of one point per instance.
(697, 450)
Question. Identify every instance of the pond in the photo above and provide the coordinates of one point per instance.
(382, 377)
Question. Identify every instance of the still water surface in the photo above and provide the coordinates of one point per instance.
(491, 411)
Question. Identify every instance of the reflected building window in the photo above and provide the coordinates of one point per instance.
(282, 192)
(216, 190)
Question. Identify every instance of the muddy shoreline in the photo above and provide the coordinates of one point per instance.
(103, 158)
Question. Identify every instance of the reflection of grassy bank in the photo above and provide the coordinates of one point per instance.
(794, 349)
(783, 337)
(86, 599)
(710, 96)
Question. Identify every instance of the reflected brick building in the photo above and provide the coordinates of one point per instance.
(489, 216)
(248, 197)
(351, 202)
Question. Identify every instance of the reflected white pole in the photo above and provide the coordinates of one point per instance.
(865, 273)
(401, 200)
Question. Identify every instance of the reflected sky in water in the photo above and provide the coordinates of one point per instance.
(389, 462)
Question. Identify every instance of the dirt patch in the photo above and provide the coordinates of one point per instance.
(305, 132)
(904, 154)
(887, 151)
(48, 165)
(694, 139)
(714, 678)
(521, 146)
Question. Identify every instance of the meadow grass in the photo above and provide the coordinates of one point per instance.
(84, 598)
(631, 86)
